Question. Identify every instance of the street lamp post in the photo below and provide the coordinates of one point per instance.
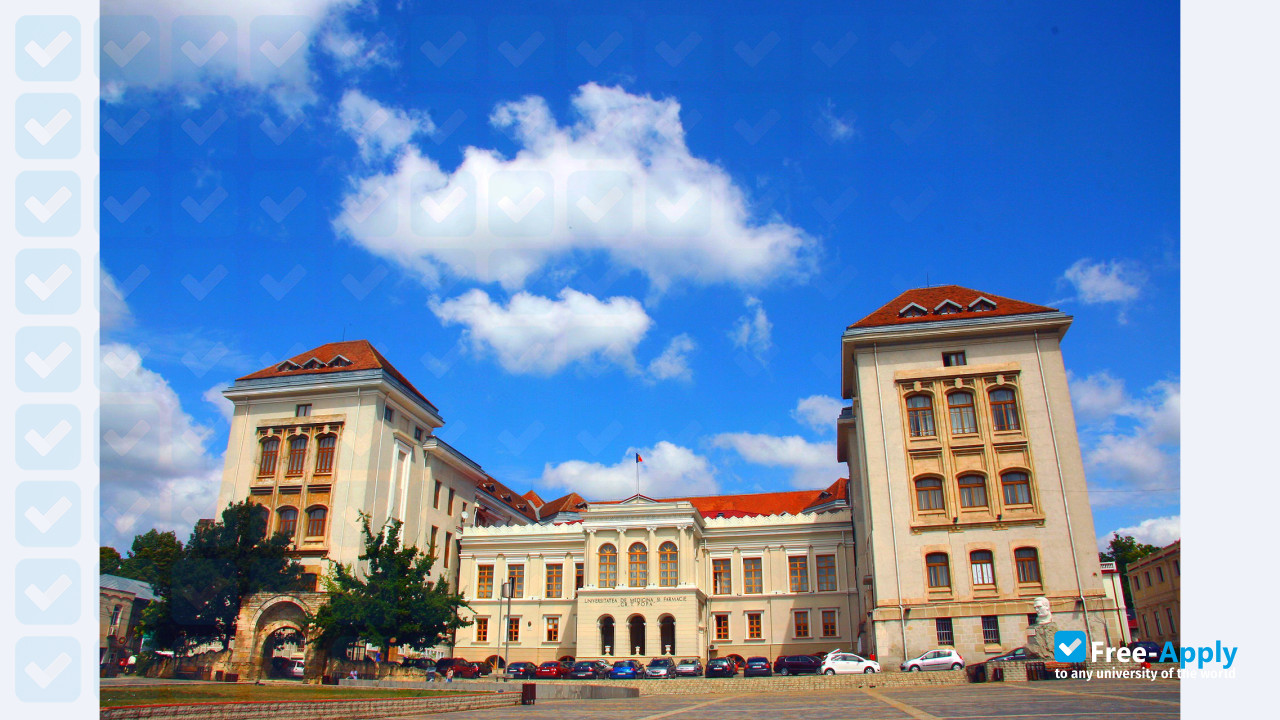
(506, 633)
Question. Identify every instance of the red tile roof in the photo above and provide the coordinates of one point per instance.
(929, 298)
(567, 503)
(534, 499)
(509, 497)
(361, 353)
(794, 502)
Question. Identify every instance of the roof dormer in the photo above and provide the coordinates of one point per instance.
(982, 304)
(948, 307)
(312, 364)
(912, 310)
(339, 361)
(287, 365)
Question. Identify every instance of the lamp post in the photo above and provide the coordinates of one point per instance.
(506, 632)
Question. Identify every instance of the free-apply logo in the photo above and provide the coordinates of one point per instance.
(1069, 646)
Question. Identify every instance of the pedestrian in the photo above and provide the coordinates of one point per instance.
(448, 676)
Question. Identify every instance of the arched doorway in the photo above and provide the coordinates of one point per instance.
(636, 626)
(667, 634)
(496, 662)
(283, 651)
(607, 646)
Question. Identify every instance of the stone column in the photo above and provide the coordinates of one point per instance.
(589, 560)
(651, 558)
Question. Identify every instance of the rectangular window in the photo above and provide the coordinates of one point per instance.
(1031, 619)
(388, 414)
(1177, 568)
(515, 576)
(297, 455)
(513, 629)
(448, 543)
(1159, 630)
(991, 629)
(435, 499)
(722, 627)
(829, 626)
(303, 410)
(1147, 576)
(953, 359)
(826, 572)
(801, 623)
(555, 580)
(721, 577)
(417, 433)
(434, 531)
(943, 628)
(1159, 574)
(553, 629)
(754, 630)
(938, 569)
(798, 571)
(324, 454)
(752, 576)
(1172, 628)
(482, 629)
(579, 576)
(484, 581)
(984, 570)
(449, 510)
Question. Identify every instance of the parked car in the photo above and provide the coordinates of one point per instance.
(722, 667)
(939, 659)
(841, 663)
(661, 668)
(758, 667)
(484, 668)
(553, 670)
(521, 670)
(626, 670)
(796, 665)
(1151, 650)
(464, 669)
(1021, 654)
(588, 670)
(689, 667)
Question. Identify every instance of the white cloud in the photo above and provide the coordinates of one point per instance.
(673, 363)
(667, 471)
(114, 312)
(813, 465)
(354, 51)
(539, 335)
(1098, 397)
(214, 397)
(1130, 444)
(1160, 531)
(836, 127)
(1104, 282)
(753, 332)
(618, 181)
(818, 412)
(378, 130)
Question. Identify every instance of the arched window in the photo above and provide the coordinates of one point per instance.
(1017, 488)
(939, 570)
(963, 421)
(668, 565)
(288, 522)
(606, 635)
(608, 566)
(263, 516)
(1004, 410)
(324, 453)
(1028, 564)
(316, 517)
(929, 494)
(638, 565)
(297, 454)
(984, 568)
(920, 415)
(270, 453)
(973, 491)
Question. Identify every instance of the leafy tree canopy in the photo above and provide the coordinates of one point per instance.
(1122, 551)
(108, 560)
(152, 556)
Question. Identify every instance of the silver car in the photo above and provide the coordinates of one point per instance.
(939, 659)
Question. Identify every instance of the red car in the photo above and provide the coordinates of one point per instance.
(553, 670)
(464, 669)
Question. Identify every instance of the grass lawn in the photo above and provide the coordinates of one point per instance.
(178, 694)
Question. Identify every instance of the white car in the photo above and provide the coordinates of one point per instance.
(939, 659)
(841, 663)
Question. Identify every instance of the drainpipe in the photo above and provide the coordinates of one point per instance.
(1062, 484)
(893, 526)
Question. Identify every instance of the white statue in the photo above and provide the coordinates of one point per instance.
(1043, 616)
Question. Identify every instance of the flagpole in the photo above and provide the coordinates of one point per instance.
(637, 473)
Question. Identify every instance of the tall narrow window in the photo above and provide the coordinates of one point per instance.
(721, 577)
(798, 573)
(449, 507)
(637, 565)
(388, 414)
(288, 522)
(434, 549)
(608, 566)
(991, 629)
(942, 626)
(553, 628)
(482, 629)
(315, 521)
(920, 415)
(722, 627)
(448, 545)
(826, 572)
(513, 629)
(939, 570)
(1004, 410)
(1017, 488)
(983, 565)
(1173, 628)
(1028, 560)
(963, 421)
(929, 494)
(484, 581)
(668, 565)
(829, 626)
(555, 580)
(270, 452)
(754, 627)
(579, 576)
(435, 499)
(752, 576)
(297, 454)
(417, 433)
(324, 453)
(801, 623)
(515, 576)
(973, 491)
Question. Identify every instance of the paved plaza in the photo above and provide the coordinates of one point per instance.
(1060, 700)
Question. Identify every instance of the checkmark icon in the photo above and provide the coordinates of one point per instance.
(440, 210)
(1068, 646)
(45, 133)
(123, 444)
(598, 54)
(280, 210)
(676, 210)
(124, 55)
(676, 55)
(360, 210)
(278, 55)
(200, 211)
(44, 366)
(43, 521)
(202, 132)
(44, 676)
(45, 54)
(44, 211)
(45, 288)
(518, 211)
(201, 55)
(1068, 649)
(44, 444)
(753, 55)
(830, 55)
(440, 55)
(122, 133)
(279, 133)
(517, 56)
(595, 211)
(122, 211)
(48, 596)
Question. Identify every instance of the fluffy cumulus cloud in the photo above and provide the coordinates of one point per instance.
(1109, 281)
(673, 363)
(618, 181)
(753, 332)
(812, 465)
(214, 397)
(667, 471)
(818, 412)
(198, 46)
(1130, 443)
(1158, 531)
(379, 130)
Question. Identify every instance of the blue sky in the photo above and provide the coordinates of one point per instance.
(443, 185)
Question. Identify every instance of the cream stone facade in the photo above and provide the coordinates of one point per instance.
(1156, 583)
(967, 484)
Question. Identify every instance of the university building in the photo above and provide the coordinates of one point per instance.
(1156, 583)
(965, 500)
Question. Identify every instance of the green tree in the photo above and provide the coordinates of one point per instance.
(108, 560)
(1122, 551)
(393, 602)
(152, 556)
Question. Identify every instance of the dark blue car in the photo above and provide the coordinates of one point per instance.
(626, 670)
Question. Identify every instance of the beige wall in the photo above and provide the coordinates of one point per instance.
(1156, 582)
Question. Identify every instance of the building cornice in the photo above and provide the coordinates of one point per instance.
(327, 382)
